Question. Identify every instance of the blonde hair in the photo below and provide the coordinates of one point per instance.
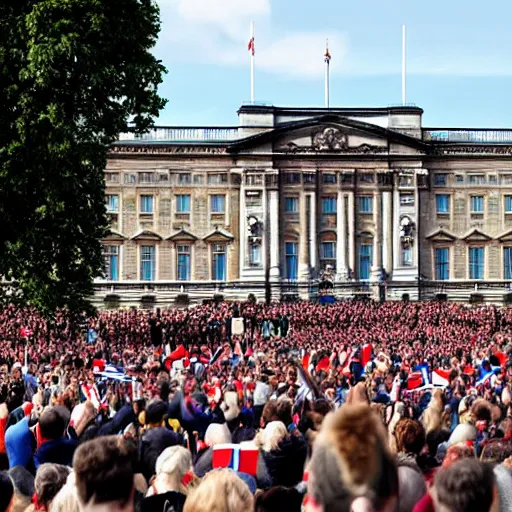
(171, 466)
(220, 491)
(66, 499)
(217, 433)
(269, 438)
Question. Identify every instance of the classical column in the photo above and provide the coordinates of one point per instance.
(377, 239)
(351, 233)
(387, 231)
(396, 233)
(341, 238)
(273, 226)
(304, 239)
(242, 242)
(313, 241)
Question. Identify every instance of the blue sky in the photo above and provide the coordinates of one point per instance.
(459, 57)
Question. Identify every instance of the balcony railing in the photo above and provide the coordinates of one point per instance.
(483, 136)
(192, 134)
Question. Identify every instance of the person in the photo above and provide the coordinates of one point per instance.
(6, 493)
(220, 490)
(50, 479)
(216, 434)
(104, 475)
(169, 487)
(156, 438)
(351, 468)
(465, 486)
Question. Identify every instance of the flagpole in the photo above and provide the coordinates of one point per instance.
(252, 63)
(327, 59)
(404, 56)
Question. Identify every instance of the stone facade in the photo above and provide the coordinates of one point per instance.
(364, 201)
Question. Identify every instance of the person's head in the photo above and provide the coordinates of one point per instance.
(6, 493)
(278, 499)
(66, 500)
(50, 478)
(465, 486)
(351, 468)
(410, 436)
(269, 413)
(155, 413)
(284, 411)
(220, 491)
(23, 483)
(104, 473)
(457, 452)
(217, 433)
(269, 438)
(171, 467)
(52, 424)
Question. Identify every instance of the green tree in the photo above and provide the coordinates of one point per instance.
(73, 75)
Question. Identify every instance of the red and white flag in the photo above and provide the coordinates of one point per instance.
(250, 46)
(441, 377)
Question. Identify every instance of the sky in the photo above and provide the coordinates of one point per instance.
(459, 57)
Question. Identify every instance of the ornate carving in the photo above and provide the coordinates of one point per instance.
(165, 149)
(329, 139)
(407, 230)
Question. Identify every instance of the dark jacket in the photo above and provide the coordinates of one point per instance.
(152, 444)
(171, 501)
(60, 451)
(119, 422)
(285, 466)
(204, 462)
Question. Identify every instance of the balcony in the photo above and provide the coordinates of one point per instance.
(185, 134)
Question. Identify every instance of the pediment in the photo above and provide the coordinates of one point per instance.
(114, 236)
(218, 235)
(146, 234)
(182, 236)
(505, 237)
(441, 235)
(328, 134)
(475, 235)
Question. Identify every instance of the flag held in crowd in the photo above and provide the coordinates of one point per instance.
(243, 459)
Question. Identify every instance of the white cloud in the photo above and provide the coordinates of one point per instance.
(217, 32)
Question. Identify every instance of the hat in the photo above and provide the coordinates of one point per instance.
(6, 491)
(50, 478)
(155, 412)
(23, 481)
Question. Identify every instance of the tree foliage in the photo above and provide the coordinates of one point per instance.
(73, 75)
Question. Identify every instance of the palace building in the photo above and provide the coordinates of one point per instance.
(363, 201)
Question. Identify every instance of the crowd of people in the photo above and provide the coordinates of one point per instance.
(355, 406)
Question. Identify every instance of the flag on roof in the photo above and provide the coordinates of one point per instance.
(250, 46)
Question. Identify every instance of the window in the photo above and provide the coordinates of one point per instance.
(406, 199)
(507, 262)
(477, 204)
(219, 262)
(146, 177)
(217, 179)
(309, 178)
(255, 255)
(291, 204)
(147, 262)
(476, 263)
(442, 203)
(112, 203)
(183, 203)
(254, 179)
(328, 251)
(112, 177)
(329, 179)
(163, 177)
(440, 180)
(198, 179)
(459, 178)
(442, 263)
(476, 179)
(290, 249)
(508, 204)
(183, 261)
(146, 204)
(253, 198)
(328, 205)
(407, 255)
(366, 178)
(130, 179)
(493, 179)
(111, 255)
(365, 261)
(292, 178)
(184, 179)
(366, 204)
(217, 203)
(406, 181)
